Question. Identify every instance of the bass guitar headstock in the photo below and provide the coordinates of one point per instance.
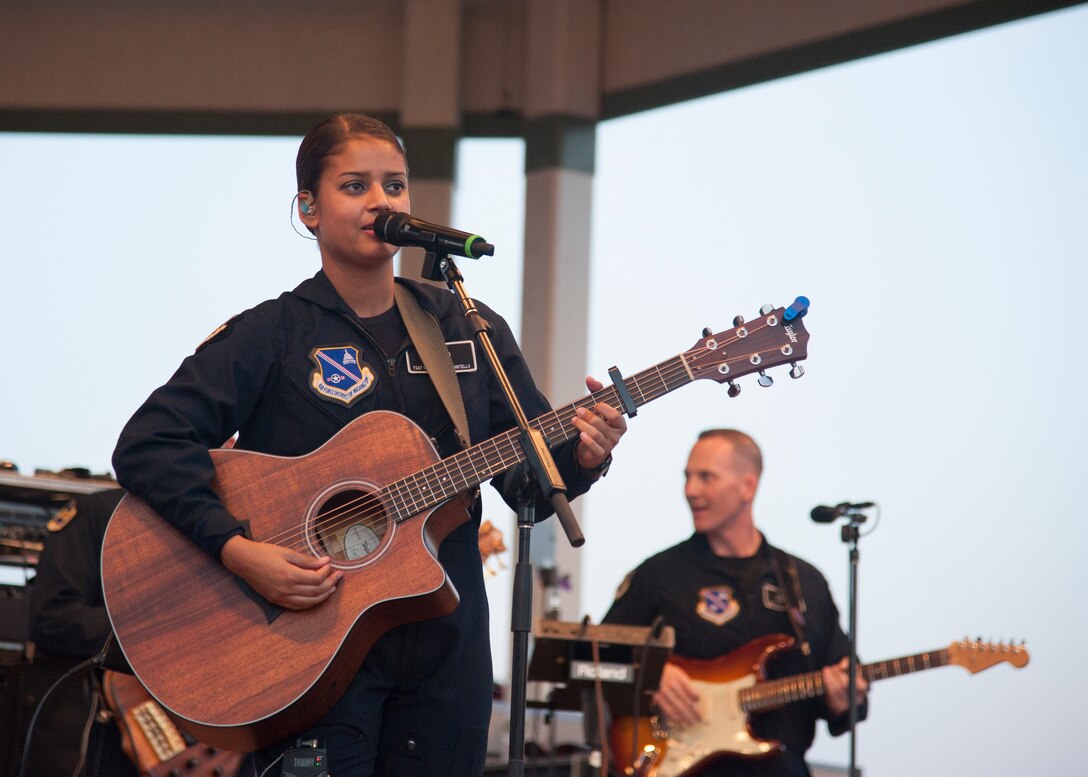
(776, 336)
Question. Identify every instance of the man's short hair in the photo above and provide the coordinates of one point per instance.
(743, 446)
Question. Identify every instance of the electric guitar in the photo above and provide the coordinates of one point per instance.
(152, 740)
(240, 673)
(734, 686)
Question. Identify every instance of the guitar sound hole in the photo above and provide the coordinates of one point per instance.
(350, 525)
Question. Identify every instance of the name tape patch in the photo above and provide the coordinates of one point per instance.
(462, 353)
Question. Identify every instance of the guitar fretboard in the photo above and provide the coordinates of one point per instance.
(772, 694)
(473, 466)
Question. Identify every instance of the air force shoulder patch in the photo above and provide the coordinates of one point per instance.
(339, 374)
(717, 604)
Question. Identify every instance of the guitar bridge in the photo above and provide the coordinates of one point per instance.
(162, 735)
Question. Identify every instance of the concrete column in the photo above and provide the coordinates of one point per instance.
(430, 112)
(562, 98)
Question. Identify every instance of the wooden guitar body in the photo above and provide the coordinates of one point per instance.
(204, 647)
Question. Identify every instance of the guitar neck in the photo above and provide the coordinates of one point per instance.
(772, 694)
(475, 465)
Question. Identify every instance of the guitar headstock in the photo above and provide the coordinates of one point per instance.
(776, 336)
(974, 655)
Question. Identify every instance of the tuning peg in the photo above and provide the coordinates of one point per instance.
(707, 332)
(766, 309)
(764, 379)
(734, 389)
(796, 371)
(738, 320)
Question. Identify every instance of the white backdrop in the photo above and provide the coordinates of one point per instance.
(931, 204)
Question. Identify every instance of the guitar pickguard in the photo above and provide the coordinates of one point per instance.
(724, 728)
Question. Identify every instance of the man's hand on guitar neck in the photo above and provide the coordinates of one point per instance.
(282, 576)
(835, 687)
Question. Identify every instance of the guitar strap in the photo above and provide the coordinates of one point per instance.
(428, 340)
(795, 599)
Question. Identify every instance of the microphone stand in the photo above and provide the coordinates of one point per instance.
(541, 478)
(851, 534)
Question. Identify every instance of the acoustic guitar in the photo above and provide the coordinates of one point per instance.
(734, 686)
(239, 673)
(152, 740)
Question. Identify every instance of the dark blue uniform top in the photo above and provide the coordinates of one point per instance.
(256, 377)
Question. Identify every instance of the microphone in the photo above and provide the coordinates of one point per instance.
(822, 514)
(401, 229)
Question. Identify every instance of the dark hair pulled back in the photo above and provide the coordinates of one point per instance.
(328, 137)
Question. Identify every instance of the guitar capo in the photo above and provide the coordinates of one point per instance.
(621, 389)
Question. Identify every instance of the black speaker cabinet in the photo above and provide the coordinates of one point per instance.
(13, 671)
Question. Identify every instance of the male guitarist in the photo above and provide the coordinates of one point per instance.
(725, 586)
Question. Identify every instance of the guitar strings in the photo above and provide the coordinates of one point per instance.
(404, 496)
(374, 515)
(369, 509)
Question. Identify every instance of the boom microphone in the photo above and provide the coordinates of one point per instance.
(822, 514)
(401, 229)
